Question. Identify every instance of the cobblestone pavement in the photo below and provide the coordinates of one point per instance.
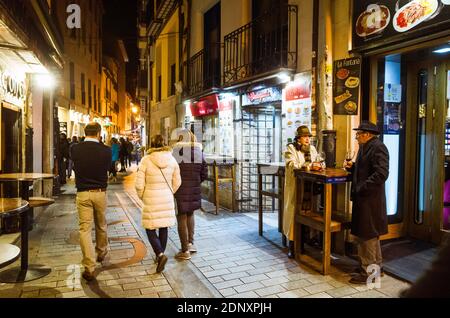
(232, 260)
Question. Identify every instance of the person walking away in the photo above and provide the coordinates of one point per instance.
(123, 154)
(158, 178)
(63, 158)
(189, 155)
(369, 215)
(130, 148)
(92, 161)
(299, 154)
(70, 165)
(115, 149)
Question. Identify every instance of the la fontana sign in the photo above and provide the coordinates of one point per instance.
(12, 89)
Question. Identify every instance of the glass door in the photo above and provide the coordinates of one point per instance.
(429, 147)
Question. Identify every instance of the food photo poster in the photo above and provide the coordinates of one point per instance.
(377, 23)
(347, 79)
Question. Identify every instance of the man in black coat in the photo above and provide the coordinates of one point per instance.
(92, 161)
(369, 215)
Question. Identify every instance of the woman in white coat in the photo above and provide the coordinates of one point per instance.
(299, 154)
(158, 178)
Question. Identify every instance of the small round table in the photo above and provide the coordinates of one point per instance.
(24, 273)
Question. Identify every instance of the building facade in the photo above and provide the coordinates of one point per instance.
(30, 57)
(79, 99)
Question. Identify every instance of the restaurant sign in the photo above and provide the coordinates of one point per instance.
(266, 95)
(12, 89)
(347, 80)
(377, 23)
(205, 106)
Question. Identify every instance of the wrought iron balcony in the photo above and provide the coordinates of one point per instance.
(164, 10)
(266, 44)
(204, 70)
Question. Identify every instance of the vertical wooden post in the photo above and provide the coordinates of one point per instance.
(216, 187)
(326, 259)
(260, 207)
(233, 187)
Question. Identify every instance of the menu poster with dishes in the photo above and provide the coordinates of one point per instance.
(296, 107)
(347, 79)
(377, 23)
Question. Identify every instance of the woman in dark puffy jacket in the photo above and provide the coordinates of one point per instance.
(189, 155)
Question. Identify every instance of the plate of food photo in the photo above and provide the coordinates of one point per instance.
(352, 82)
(342, 73)
(372, 21)
(414, 13)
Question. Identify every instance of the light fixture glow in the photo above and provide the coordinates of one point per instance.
(442, 51)
(284, 77)
(134, 109)
(46, 81)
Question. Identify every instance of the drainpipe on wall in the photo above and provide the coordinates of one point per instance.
(325, 66)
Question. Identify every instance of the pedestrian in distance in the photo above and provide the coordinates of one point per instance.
(189, 155)
(63, 158)
(115, 149)
(299, 155)
(70, 165)
(369, 214)
(158, 178)
(92, 161)
(123, 153)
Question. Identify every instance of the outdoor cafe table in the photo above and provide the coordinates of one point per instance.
(322, 223)
(26, 272)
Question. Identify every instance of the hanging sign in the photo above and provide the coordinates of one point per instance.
(205, 106)
(266, 95)
(377, 23)
(347, 80)
(12, 88)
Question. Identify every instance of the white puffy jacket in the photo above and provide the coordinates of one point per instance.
(152, 189)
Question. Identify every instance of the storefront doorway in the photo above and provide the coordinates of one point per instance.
(261, 143)
(10, 141)
(413, 112)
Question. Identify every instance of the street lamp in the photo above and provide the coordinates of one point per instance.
(134, 110)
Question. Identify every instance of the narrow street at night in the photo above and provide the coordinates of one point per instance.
(241, 153)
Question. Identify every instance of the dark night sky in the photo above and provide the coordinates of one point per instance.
(120, 20)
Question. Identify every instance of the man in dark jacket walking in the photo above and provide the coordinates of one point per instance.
(92, 161)
(369, 215)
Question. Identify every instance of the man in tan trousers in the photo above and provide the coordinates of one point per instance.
(92, 161)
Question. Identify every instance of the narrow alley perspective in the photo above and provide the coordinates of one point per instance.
(244, 152)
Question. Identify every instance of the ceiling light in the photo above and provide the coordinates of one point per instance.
(442, 51)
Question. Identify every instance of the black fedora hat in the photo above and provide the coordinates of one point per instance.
(368, 126)
(303, 131)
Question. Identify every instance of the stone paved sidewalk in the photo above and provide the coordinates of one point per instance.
(232, 259)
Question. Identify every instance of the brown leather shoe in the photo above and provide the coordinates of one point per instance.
(359, 279)
(88, 276)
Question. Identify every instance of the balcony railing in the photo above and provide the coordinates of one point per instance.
(164, 10)
(266, 44)
(204, 70)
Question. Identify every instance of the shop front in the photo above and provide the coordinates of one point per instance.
(12, 99)
(406, 50)
(259, 141)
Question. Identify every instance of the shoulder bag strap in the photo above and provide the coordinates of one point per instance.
(166, 181)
